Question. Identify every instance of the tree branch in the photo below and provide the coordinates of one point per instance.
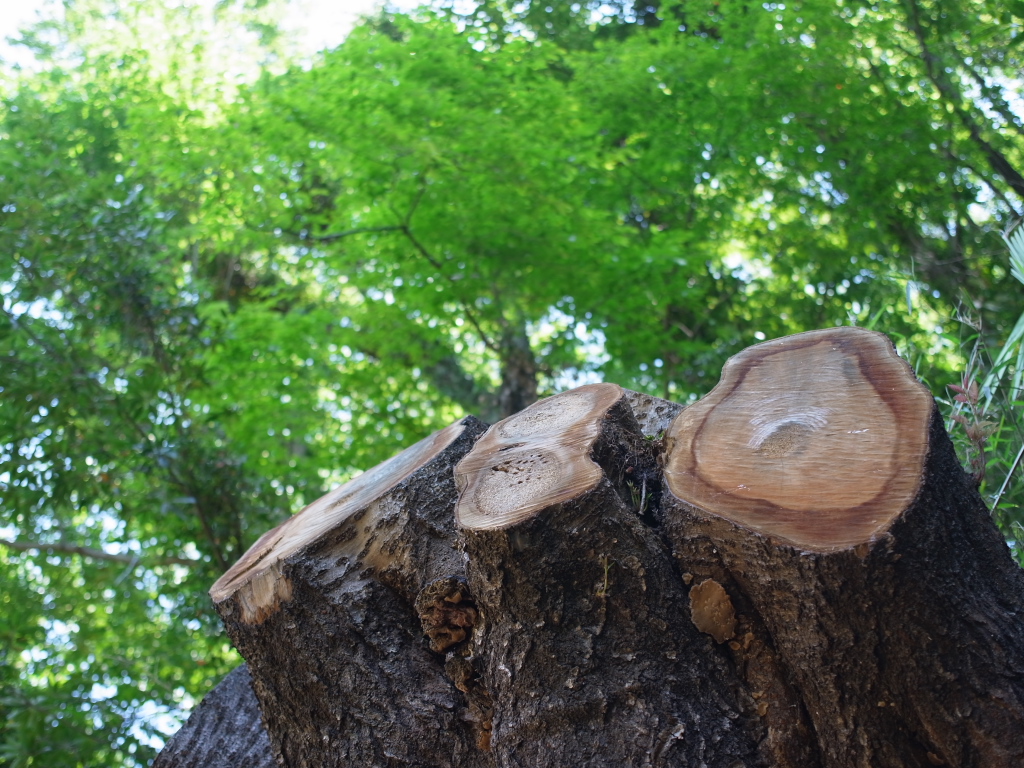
(996, 191)
(470, 316)
(406, 229)
(935, 71)
(94, 554)
(68, 355)
(997, 102)
(349, 232)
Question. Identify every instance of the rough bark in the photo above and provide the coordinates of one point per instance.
(324, 609)
(224, 731)
(582, 646)
(653, 414)
(886, 623)
(794, 572)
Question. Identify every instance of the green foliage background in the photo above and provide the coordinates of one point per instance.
(232, 278)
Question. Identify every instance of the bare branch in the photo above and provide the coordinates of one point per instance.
(406, 229)
(68, 355)
(349, 232)
(488, 342)
(94, 554)
(935, 71)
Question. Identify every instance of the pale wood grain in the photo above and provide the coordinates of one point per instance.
(256, 580)
(534, 459)
(818, 439)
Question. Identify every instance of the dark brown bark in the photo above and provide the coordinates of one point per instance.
(586, 654)
(905, 649)
(814, 584)
(582, 646)
(338, 658)
(905, 652)
(225, 731)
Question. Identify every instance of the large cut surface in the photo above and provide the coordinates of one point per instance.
(818, 439)
(535, 459)
(255, 578)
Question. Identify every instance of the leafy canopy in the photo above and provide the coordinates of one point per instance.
(234, 281)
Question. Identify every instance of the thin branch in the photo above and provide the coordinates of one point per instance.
(94, 554)
(189, 484)
(996, 192)
(488, 342)
(965, 120)
(933, 67)
(998, 103)
(69, 357)
(349, 232)
(407, 221)
(406, 229)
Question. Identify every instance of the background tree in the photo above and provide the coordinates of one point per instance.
(235, 279)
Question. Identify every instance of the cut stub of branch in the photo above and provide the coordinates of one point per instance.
(582, 647)
(818, 439)
(224, 731)
(653, 414)
(874, 603)
(326, 609)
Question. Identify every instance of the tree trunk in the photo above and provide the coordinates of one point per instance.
(817, 486)
(799, 575)
(518, 372)
(225, 731)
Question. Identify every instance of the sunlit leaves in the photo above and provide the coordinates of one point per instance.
(223, 297)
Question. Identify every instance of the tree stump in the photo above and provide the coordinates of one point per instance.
(582, 646)
(324, 610)
(794, 572)
(876, 604)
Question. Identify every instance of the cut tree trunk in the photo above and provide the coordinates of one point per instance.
(582, 646)
(324, 609)
(875, 603)
(799, 574)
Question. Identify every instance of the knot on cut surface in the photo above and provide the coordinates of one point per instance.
(447, 612)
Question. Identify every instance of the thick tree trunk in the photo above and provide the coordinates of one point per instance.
(817, 489)
(582, 646)
(798, 575)
(324, 609)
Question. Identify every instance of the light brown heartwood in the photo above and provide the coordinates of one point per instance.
(818, 440)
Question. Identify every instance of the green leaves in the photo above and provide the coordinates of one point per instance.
(222, 299)
(1011, 356)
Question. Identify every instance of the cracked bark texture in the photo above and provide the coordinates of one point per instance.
(224, 731)
(886, 623)
(585, 651)
(338, 657)
(794, 572)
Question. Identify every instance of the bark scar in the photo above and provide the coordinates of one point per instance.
(712, 611)
(447, 612)
(479, 711)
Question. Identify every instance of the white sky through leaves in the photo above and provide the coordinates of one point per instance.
(317, 24)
